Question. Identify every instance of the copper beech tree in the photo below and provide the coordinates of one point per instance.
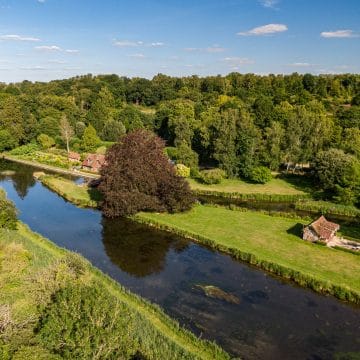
(139, 177)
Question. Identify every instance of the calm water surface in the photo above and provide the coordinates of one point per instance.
(273, 320)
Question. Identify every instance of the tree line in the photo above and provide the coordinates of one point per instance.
(236, 122)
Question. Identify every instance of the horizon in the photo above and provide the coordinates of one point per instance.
(45, 40)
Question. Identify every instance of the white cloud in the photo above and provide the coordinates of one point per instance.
(269, 3)
(33, 68)
(156, 44)
(55, 61)
(265, 30)
(210, 49)
(238, 61)
(301, 64)
(338, 34)
(137, 56)
(72, 51)
(49, 48)
(127, 43)
(18, 38)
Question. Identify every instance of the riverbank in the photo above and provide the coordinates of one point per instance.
(35, 271)
(49, 167)
(269, 242)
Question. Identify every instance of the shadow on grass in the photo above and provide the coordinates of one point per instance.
(300, 182)
(95, 195)
(296, 230)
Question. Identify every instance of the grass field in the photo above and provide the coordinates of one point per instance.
(33, 269)
(275, 186)
(269, 238)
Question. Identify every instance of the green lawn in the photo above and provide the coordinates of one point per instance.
(32, 270)
(275, 186)
(270, 238)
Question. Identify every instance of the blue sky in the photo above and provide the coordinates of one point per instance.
(52, 39)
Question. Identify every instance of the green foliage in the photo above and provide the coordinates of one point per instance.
(90, 140)
(85, 322)
(183, 154)
(182, 170)
(113, 130)
(325, 207)
(34, 352)
(8, 212)
(7, 141)
(212, 176)
(260, 175)
(25, 149)
(45, 141)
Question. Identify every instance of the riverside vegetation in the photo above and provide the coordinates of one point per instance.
(272, 243)
(55, 305)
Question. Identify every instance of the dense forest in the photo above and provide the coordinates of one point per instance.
(236, 122)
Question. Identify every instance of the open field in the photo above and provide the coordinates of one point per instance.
(33, 269)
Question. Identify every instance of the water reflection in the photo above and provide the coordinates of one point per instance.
(21, 177)
(135, 252)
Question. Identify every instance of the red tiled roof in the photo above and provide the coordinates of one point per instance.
(74, 155)
(323, 228)
(94, 161)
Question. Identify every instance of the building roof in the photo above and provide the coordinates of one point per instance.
(74, 155)
(325, 229)
(94, 161)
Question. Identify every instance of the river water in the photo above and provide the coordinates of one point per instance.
(272, 320)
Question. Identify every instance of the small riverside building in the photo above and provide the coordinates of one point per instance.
(320, 230)
(93, 162)
(73, 156)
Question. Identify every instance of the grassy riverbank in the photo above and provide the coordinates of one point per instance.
(277, 186)
(36, 276)
(270, 242)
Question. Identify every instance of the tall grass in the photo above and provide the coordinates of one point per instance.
(325, 207)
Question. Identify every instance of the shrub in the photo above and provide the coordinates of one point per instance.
(7, 141)
(260, 175)
(86, 322)
(25, 149)
(34, 352)
(182, 170)
(212, 176)
(8, 212)
(45, 141)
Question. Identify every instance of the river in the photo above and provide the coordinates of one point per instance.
(273, 319)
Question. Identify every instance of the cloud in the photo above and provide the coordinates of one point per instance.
(41, 1)
(156, 44)
(49, 48)
(18, 38)
(137, 56)
(210, 49)
(235, 62)
(338, 34)
(301, 64)
(127, 43)
(269, 3)
(72, 51)
(265, 30)
(55, 61)
(33, 68)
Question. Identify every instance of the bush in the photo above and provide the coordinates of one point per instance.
(260, 175)
(7, 141)
(212, 176)
(25, 149)
(86, 322)
(45, 141)
(8, 212)
(182, 170)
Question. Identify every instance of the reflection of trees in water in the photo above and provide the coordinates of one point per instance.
(137, 249)
(22, 178)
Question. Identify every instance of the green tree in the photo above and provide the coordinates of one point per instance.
(7, 141)
(90, 140)
(113, 130)
(45, 141)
